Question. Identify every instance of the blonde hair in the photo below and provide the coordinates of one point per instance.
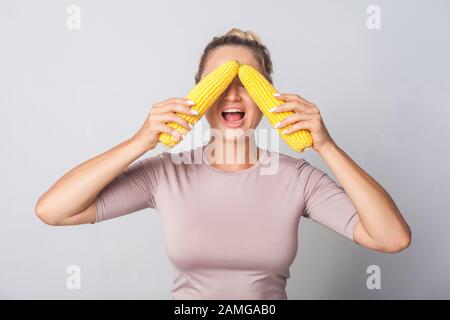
(250, 35)
(238, 37)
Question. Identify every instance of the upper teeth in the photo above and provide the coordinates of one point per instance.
(232, 110)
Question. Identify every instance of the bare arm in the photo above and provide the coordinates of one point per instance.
(71, 199)
(76, 191)
(381, 226)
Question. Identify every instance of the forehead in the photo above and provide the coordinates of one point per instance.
(223, 54)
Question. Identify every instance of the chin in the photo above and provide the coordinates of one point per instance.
(234, 134)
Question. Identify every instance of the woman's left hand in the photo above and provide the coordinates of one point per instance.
(306, 116)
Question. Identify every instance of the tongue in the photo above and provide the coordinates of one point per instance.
(233, 116)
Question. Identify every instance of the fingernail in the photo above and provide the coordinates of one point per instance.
(194, 112)
(175, 134)
(191, 126)
(285, 131)
(273, 109)
(190, 102)
(277, 124)
(276, 94)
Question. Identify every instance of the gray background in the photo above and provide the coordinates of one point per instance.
(67, 96)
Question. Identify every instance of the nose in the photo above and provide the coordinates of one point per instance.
(232, 93)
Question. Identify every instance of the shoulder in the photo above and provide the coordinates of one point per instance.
(169, 160)
(286, 161)
(154, 159)
(300, 170)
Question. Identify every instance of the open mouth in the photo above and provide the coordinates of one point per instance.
(233, 116)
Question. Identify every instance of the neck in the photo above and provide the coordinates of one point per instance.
(232, 155)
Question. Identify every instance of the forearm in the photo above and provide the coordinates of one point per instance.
(379, 215)
(74, 191)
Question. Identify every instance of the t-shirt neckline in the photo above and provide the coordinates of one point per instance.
(255, 166)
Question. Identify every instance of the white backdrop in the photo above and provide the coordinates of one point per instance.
(69, 94)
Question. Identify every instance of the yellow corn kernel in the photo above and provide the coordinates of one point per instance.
(204, 95)
(261, 91)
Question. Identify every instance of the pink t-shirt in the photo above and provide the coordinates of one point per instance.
(229, 235)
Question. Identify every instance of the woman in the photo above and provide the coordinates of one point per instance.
(230, 231)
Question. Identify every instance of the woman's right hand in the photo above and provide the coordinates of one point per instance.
(159, 115)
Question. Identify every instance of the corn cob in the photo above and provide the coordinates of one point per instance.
(261, 91)
(204, 95)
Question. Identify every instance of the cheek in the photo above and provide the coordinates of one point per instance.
(209, 116)
(258, 116)
(254, 111)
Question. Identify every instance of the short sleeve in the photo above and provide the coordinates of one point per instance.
(131, 191)
(325, 201)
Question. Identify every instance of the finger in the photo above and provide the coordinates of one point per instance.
(302, 125)
(183, 101)
(315, 109)
(292, 106)
(174, 107)
(171, 117)
(160, 127)
(293, 97)
(296, 117)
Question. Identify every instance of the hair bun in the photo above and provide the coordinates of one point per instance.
(248, 35)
